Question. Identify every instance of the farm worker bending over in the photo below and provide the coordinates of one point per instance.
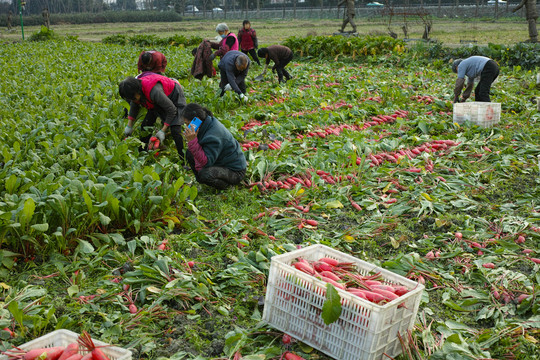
(213, 154)
(473, 67)
(248, 40)
(152, 61)
(348, 16)
(234, 67)
(281, 55)
(162, 97)
(228, 41)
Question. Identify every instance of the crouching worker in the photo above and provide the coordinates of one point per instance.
(162, 97)
(213, 153)
(234, 67)
(281, 55)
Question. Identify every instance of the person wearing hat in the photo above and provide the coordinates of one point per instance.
(228, 42)
(163, 97)
(234, 67)
(213, 153)
(474, 67)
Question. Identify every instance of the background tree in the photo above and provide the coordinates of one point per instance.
(531, 14)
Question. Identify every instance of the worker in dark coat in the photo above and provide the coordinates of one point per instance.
(234, 67)
(163, 97)
(474, 67)
(532, 14)
(202, 65)
(348, 16)
(9, 20)
(213, 153)
(281, 56)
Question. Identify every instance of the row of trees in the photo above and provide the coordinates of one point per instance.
(82, 6)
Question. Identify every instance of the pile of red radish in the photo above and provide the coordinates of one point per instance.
(344, 276)
(252, 124)
(70, 352)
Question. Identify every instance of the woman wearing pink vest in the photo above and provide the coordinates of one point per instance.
(162, 97)
(228, 41)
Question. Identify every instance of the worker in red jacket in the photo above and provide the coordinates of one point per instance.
(248, 40)
(152, 61)
(162, 97)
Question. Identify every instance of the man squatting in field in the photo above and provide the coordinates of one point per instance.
(162, 97)
(281, 55)
(152, 62)
(473, 67)
(234, 67)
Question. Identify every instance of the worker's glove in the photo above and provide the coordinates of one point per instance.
(128, 131)
(244, 98)
(161, 136)
(212, 57)
(227, 87)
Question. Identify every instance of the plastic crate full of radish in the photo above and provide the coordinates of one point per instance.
(377, 306)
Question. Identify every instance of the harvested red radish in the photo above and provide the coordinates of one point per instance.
(286, 339)
(458, 235)
(52, 353)
(70, 350)
(489, 265)
(521, 297)
(320, 266)
(291, 356)
(191, 264)
(305, 267)
(76, 357)
(520, 239)
(329, 261)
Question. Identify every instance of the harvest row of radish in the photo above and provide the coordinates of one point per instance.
(330, 130)
(72, 351)
(344, 276)
(376, 159)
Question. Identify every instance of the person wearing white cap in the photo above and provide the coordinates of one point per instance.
(228, 42)
(473, 67)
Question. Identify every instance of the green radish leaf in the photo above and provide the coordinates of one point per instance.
(85, 247)
(72, 290)
(336, 204)
(332, 305)
(40, 227)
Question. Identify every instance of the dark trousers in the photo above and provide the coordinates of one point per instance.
(280, 69)
(348, 19)
(224, 81)
(215, 176)
(487, 77)
(253, 54)
(147, 129)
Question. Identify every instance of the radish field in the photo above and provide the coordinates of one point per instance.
(357, 153)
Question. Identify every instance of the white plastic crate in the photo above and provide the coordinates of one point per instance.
(66, 337)
(364, 330)
(485, 114)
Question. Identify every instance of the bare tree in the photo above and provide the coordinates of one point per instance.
(532, 15)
